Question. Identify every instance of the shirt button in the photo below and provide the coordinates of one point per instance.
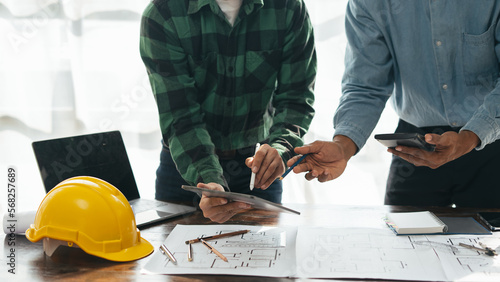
(445, 86)
(439, 43)
(454, 123)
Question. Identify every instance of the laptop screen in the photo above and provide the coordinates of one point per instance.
(101, 155)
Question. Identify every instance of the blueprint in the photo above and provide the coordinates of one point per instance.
(327, 252)
(264, 251)
(378, 253)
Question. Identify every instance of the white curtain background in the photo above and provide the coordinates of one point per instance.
(71, 67)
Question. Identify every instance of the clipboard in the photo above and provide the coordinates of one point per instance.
(256, 202)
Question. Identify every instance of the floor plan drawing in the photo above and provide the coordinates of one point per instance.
(268, 251)
(365, 253)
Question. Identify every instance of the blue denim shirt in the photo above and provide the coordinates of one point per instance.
(438, 60)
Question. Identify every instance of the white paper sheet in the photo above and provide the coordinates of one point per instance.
(264, 251)
(363, 253)
(377, 253)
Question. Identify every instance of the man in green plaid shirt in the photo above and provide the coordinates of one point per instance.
(227, 74)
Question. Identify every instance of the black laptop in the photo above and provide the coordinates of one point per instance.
(101, 155)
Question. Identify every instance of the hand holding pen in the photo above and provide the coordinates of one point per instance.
(267, 165)
(252, 178)
(326, 160)
(293, 165)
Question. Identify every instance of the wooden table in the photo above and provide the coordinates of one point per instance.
(73, 264)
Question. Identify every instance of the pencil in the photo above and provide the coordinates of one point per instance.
(218, 236)
(294, 165)
(214, 250)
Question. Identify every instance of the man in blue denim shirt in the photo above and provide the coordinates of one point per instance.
(439, 61)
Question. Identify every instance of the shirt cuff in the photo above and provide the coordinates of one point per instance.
(284, 152)
(485, 128)
(356, 134)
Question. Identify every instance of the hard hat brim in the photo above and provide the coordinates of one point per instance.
(141, 250)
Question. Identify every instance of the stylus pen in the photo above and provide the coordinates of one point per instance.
(222, 235)
(294, 165)
(252, 178)
(214, 250)
(190, 252)
(166, 252)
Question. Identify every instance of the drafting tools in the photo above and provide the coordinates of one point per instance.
(166, 252)
(436, 245)
(294, 165)
(190, 252)
(222, 235)
(213, 250)
(487, 250)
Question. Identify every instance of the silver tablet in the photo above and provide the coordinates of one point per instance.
(256, 202)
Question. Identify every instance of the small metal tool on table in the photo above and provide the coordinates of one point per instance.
(485, 249)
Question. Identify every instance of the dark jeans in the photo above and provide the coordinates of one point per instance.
(472, 180)
(237, 174)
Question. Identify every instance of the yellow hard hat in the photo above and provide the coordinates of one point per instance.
(92, 214)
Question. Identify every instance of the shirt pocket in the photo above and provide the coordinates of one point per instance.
(261, 70)
(204, 71)
(480, 61)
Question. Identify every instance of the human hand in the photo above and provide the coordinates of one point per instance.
(219, 209)
(327, 160)
(449, 146)
(267, 166)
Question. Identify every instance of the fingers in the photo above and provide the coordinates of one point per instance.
(302, 150)
(249, 162)
(293, 160)
(323, 177)
(419, 157)
(219, 210)
(271, 168)
(302, 167)
(211, 186)
(314, 147)
(267, 166)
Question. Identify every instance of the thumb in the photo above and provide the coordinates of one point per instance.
(432, 138)
(249, 162)
(306, 149)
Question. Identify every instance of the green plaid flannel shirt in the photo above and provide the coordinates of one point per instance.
(228, 87)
